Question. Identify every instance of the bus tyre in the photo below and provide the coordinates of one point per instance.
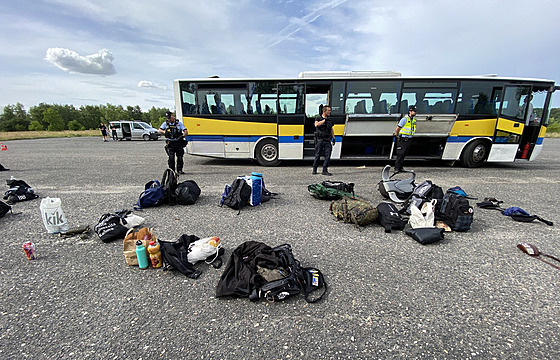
(267, 153)
(146, 137)
(474, 154)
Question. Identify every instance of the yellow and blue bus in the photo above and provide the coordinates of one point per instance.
(470, 119)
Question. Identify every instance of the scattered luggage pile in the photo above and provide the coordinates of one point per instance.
(256, 270)
(273, 273)
(423, 211)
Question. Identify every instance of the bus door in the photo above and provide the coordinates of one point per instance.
(315, 97)
(533, 133)
(510, 125)
(291, 120)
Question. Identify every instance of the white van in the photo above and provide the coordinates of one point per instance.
(137, 130)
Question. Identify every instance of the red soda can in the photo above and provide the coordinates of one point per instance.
(29, 249)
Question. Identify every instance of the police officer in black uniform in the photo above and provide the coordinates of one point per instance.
(324, 135)
(175, 134)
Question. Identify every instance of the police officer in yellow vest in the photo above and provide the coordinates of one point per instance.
(404, 132)
(175, 134)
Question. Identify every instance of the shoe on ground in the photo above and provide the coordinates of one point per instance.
(326, 173)
(181, 172)
(314, 172)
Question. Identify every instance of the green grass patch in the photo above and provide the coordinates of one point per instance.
(20, 135)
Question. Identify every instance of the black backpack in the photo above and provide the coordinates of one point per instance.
(389, 217)
(19, 191)
(238, 194)
(426, 191)
(187, 192)
(169, 184)
(456, 212)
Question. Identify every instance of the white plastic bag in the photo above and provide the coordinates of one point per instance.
(133, 220)
(203, 248)
(53, 216)
(422, 218)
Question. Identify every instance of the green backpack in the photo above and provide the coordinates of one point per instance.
(320, 191)
(351, 209)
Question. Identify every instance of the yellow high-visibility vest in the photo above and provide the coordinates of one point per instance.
(409, 128)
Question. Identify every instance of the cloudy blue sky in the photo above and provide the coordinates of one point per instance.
(129, 52)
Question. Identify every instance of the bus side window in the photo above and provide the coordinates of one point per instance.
(380, 107)
(404, 106)
(360, 107)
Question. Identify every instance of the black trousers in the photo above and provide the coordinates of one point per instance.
(115, 136)
(322, 148)
(172, 152)
(403, 145)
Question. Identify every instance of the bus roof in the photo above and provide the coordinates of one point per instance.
(367, 75)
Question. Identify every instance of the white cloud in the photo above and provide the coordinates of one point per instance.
(72, 62)
(151, 85)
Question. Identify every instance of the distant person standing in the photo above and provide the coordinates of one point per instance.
(114, 132)
(103, 129)
(528, 109)
(324, 135)
(175, 134)
(404, 132)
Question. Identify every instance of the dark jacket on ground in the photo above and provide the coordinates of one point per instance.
(240, 276)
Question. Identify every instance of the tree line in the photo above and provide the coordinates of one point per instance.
(553, 121)
(88, 117)
(55, 117)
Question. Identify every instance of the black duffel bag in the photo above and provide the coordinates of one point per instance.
(425, 235)
(187, 192)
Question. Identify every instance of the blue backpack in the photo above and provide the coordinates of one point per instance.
(151, 196)
(458, 191)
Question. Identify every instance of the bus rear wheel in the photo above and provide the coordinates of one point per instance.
(474, 154)
(267, 153)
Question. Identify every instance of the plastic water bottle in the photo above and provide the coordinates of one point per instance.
(141, 255)
(155, 255)
(256, 182)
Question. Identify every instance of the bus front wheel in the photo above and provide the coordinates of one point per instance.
(267, 153)
(474, 154)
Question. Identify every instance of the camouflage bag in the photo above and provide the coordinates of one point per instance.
(351, 209)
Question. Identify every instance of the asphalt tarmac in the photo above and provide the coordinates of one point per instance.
(473, 295)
